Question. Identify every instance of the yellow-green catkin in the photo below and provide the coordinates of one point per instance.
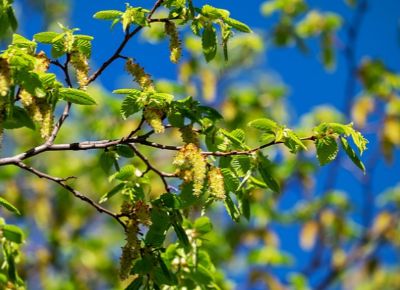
(175, 47)
(5, 80)
(5, 83)
(38, 108)
(192, 166)
(80, 63)
(216, 183)
(141, 77)
(153, 117)
(138, 213)
(189, 135)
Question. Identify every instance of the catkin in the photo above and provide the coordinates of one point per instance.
(5, 82)
(216, 183)
(192, 166)
(80, 63)
(153, 117)
(175, 47)
(138, 213)
(140, 76)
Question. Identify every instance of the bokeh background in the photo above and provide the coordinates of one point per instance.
(283, 82)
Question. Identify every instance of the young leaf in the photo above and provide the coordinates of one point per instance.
(125, 172)
(352, 155)
(264, 124)
(237, 25)
(327, 149)
(76, 96)
(19, 118)
(264, 167)
(108, 14)
(4, 203)
(112, 192)
(209, 42)
(45, 37)
(232, 209)
(13, 233)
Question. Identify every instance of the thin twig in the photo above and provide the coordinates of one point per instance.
(146, 161)
(76, 193)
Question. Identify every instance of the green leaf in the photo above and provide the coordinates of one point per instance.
(45, 37)
(231, 181)
(12, 19)
(125, 173)
(209, 42)
(130, 106)
(237, 25)
(127, 92)
(112, 192)
(352, 155)
(13, 233)
(107, 159)
(203, 225)
(135, 284)
(327, 149)
(293, 142)
(265, 169)
(160, 223)
(4, 203)
(76, 96)
(181, 234)
(19, 118)
(232, 209)
(125, 151)
(214, 13)
(108, 14)
(264, 124)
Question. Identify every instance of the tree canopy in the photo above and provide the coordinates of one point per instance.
(177, 184)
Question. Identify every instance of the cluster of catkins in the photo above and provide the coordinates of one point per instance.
(4, 88)
(138, 213)
(192, 167)
(39, 108)
(152, 114)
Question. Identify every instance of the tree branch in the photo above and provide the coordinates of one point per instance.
(62, 182)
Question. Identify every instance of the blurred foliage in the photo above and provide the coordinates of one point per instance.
(178, 163)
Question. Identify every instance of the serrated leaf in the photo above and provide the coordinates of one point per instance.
(45, 37)
(214, 13)
(264, 124)
(4, 203)
(76, 96)
(13, 233)
(130, 106)
(327, 149)
(203, 225)
(237, 25)
(108, 14)
(241, 164)
(19, 118)
(264, 167)
(126, 92)
(125, 151)
(232, 209)
(209, 42)
(112, 192)
(107, 160)
(125, 172)
(352, 155)
(231, 181)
